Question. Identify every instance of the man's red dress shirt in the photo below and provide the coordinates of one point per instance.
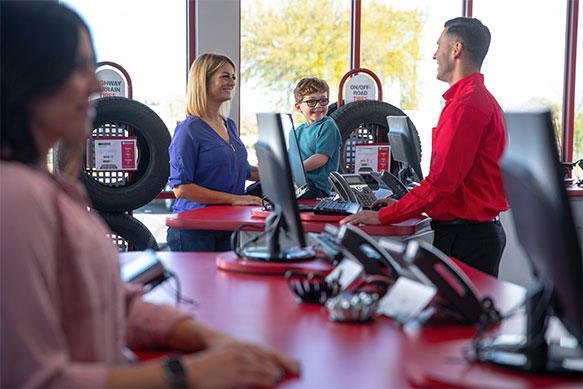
(464, 179)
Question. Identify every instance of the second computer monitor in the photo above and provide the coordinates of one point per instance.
(268, 136)
(542, 213)
(276, 181)
(533, 180)
(405, 148)
(295, 157)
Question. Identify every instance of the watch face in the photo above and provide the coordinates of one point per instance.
(175, 372)
(175, 365)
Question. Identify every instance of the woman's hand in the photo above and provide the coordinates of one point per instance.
(246, 200)
(236, 364)
(362, 217)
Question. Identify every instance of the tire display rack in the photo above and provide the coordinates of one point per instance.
(116, 193)
(119, 191)
(365, 121)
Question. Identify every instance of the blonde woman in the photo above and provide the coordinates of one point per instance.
(208, 161)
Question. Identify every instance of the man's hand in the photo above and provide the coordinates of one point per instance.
(362, 217)
(382, 203)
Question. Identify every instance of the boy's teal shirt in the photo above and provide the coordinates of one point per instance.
(321, 137)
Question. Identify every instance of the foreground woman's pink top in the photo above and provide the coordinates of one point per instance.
(66, 315)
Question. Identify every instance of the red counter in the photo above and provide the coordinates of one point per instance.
(337, 355)
(229, 218)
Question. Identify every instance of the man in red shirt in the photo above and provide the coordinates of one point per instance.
(463, 192)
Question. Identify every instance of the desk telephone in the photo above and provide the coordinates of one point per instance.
(421, 262)
(353, 187)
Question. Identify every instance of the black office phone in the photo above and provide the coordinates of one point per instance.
(420, 261)
(353, 188)
(389, 181)
(457, 296)
(362, 248)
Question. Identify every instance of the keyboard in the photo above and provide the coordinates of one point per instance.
(301, 207)
(336, 207)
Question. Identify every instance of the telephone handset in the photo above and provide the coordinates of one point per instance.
(389, 181)
(362, 248)
(457, 295)
(352, 187)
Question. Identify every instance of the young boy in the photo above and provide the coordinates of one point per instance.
(319, 138)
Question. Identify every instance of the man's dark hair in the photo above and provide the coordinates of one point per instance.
(473, 35)
(38, 53)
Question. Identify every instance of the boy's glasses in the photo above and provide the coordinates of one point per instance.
(312, 103)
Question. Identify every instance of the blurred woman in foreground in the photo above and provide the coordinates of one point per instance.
(67, 317)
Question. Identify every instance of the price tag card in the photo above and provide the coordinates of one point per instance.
(405, 300)
(347, 271)
(112, 154)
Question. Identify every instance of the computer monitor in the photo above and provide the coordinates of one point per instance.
(268, 136)
(285, 240)
(544, 225)
(405, 148)
(295, 157)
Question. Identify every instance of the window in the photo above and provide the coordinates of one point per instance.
(524, 68)
(283, 41)
(149, 41)
(399, 38)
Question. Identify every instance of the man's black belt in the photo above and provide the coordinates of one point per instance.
(460, 222)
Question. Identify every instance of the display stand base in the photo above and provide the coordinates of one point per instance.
(229, 261)
(443, 365)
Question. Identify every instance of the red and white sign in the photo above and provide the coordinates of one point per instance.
(112, 154)
(359, 87)
(372, 157)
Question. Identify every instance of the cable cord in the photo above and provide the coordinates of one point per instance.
(177, 291)
(470, 351)
(235, 243)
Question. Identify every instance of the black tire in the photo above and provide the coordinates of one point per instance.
(113, 192)
(365, 122)
(128, 233)
(333, 107)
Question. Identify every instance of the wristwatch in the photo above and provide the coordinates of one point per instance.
(175, 371)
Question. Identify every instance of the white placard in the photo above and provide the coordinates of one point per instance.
(112, 154)
(347, 270)
(372, 157)
(112, 83)
(359, 87)
(405, 300)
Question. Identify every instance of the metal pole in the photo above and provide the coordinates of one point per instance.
(467, 8)
(355, 34)
(568, 119)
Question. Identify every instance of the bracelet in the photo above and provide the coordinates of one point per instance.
(175, 371)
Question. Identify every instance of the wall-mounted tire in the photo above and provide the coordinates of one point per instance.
(130, 192)
(133, 233)
(365, 122)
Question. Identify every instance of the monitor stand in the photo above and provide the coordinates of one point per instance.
(531, 352)
(273, 252)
